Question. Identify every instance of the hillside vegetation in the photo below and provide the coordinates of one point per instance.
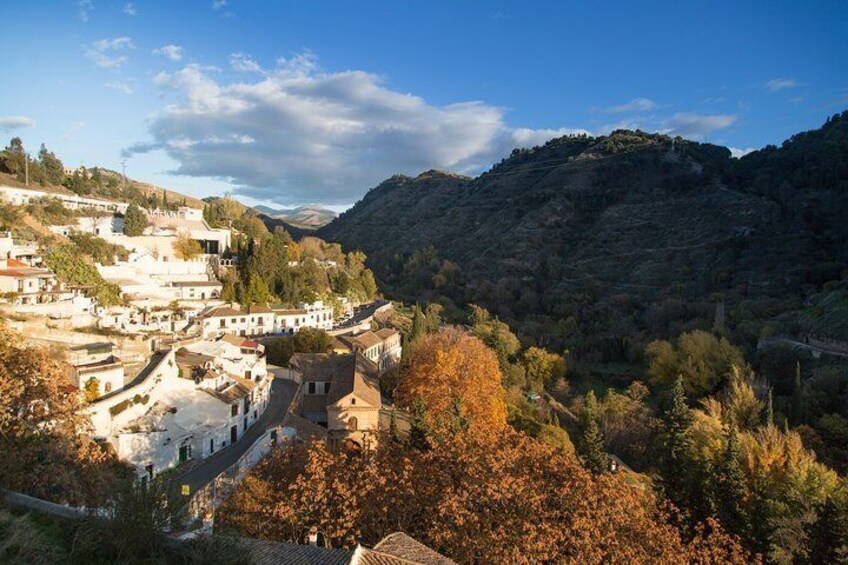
(601, 244)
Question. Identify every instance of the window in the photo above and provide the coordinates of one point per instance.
(326, 388)
(352, 423)
(353, 402)
(310, 388)
(234, 410)
(261, 321)
(108, 387)
(212, 445)
(223, 323)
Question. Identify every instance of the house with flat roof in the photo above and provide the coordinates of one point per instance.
(23, 284)
(94, 369)
(186, 404)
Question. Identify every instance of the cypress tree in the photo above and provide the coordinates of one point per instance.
(731, 488)
(393, 427)
(676, 463)
(134, 221)
(418, 325)
(828, 535)
(798, 397)
(594, 456)
(419, 432)
(770, 408)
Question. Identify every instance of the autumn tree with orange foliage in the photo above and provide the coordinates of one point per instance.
(43, 447)
(499, 498)
(449, 371)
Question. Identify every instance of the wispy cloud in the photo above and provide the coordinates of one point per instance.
(120, 86)
(694, 125)
(129, 9)
(295, 133)
(172, 52)
(244, 63)
(777, 84)
(218, 4)
(635, 105)
(109, 53)
(72, 129)
(11, 123)
(84, 8)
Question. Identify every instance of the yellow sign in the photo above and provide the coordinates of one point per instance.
(186, 490)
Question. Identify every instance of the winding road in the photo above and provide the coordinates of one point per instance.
(282, 394)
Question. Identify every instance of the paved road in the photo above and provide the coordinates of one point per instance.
(802, 345)
(282, 394)
(362, 313)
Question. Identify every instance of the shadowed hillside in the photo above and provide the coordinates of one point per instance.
(601, 244)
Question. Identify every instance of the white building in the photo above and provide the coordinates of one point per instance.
(23, 196)
(95, 370)
(315, 315)
(23, 284)
(260, 320)
(186, 404)
(246, 322)
(382, 347)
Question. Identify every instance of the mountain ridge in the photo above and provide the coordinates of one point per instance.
(600, 243)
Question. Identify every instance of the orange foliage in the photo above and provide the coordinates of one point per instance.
(451, 365)
(503, 498)
(43, 447)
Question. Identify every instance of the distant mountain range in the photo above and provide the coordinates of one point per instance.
(311, 216)
(600, 244)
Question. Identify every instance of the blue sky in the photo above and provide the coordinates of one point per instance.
(315, 102)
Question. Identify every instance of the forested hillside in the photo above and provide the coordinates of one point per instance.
(603, 244)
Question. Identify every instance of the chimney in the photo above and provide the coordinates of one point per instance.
(313, 536)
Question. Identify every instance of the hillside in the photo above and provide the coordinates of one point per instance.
(311, 216)
(600, 244)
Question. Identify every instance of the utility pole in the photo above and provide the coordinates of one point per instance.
(124, 171)
(26, 169)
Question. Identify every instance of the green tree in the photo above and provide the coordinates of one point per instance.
(257, 292)
(135, 221)
(419, 432)
(419, 325)
(677, 448)
(703, 360)
(542, 368)
(592, 443)
(731, 489)
(828, 535)
(798, 396)
(54, 170)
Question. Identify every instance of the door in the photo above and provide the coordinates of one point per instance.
(233, 434)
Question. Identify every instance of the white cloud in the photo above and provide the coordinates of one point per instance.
(129, 9)
(120, 86)
(84, 8)
(218, 4)
(741, 151)
(777, 84)
(244, 63)
(109, 53)
(297, 134)
(635, 105)
(172, 52)
(11, 123)
(695, 126)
